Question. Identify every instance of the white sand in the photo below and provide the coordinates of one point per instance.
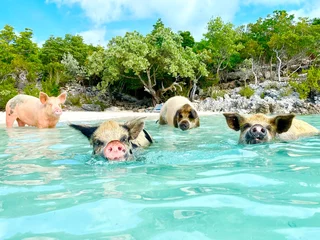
(70, 116)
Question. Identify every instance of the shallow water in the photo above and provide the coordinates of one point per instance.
(198, 184)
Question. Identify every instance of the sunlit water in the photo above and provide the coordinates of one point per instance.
(198, 184)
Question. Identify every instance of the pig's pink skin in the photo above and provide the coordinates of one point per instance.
(42, 112)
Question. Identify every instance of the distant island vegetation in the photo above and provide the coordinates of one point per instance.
(164, 63)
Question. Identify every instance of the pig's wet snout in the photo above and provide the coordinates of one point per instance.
(258, 131)
(184, 125)
(115, 150)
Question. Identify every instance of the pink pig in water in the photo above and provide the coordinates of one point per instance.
(42, 112)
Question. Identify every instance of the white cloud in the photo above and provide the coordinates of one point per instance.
(94, 36)
(273, 2)
(192, 15)
(310, 10)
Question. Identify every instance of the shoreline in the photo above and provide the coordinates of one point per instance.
(85, 116)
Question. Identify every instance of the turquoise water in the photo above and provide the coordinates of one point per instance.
(198, 184)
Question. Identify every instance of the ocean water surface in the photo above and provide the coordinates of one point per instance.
(198, 184)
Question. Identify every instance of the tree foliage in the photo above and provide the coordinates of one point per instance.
(223, 42)
(150, 59)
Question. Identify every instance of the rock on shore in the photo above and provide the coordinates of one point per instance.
(269, 98)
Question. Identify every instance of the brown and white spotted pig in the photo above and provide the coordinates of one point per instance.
(42, 112)
(178, 112)
(259, 128)
(115, 141)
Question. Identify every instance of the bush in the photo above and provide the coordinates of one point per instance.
(7, 91)
(32, 90)
(246, 92)
(311, 84)
(75, 100)
(214, 92)
(285, 92)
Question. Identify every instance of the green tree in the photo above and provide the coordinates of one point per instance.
(54, 50)
(292, 41)
(55, 47)
(7, 38)
(187, 39)
(223, 42)
(316, 21)
(152, 60)
(73, 68)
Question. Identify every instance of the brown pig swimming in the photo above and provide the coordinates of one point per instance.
(42, 112)
(115, 141)
(259, 128)
(179, 112)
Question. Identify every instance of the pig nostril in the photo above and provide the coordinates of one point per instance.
(119, 148)
(263, 130)
(110, 149)
(254, 130)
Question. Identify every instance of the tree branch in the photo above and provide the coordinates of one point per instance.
(129, 77)
(143, 82)
(172, 87)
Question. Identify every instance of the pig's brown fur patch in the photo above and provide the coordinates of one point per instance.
(186, 112)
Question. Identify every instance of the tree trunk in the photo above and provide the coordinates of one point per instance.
(155, 98)
(193, 91)
(254, 73)
(271, 71)
(279, 65)
(148, 87)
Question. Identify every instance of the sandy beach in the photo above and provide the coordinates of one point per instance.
(76, 116)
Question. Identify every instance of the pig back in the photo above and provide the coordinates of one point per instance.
(298, 129)
(21, 104)
(144, 139)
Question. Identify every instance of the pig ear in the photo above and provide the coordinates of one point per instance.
(62, 97)
(233, 120)
(85, 130)
(175, 118)
(134, 127)
(283, 122)
(43, 97)
(194, 113)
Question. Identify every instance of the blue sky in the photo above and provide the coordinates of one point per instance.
(100, 20)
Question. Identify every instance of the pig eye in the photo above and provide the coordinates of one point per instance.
(245, 126)
(190, 116)
(180, 115)
(97, 143)
(123, 139)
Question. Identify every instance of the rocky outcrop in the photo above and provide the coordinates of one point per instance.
(269, 97)
(90, 99)
(91, 107)
(85, 98)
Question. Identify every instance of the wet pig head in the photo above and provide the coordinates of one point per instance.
(112, 140)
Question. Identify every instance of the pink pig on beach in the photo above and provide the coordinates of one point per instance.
(42, 112)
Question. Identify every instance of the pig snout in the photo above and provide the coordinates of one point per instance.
(115, 150)
(184, 125)
(257, 131)
(57, 111)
